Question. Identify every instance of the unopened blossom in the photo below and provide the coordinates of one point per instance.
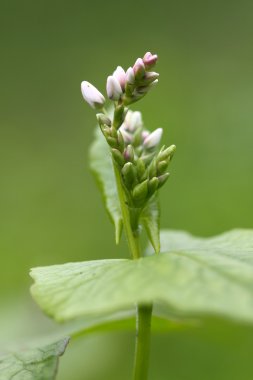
(113, 88)
(153, 139)
(130, 75)
(120, 75)
(139, 68)
(92, 96)
(149, 60)
(133, 120)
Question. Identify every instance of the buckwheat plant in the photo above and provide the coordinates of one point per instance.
(191, 277)
(140, 169)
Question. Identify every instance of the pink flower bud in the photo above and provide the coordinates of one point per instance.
(139, 68)
(149, 60)
(113, 88)
(145, 134)
(120, 75)
(92, 95)
(130, 76)
(153, 139)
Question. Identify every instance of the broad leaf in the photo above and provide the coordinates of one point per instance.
(150, 219)
(192, 277)
(101, 166)
(33, 364)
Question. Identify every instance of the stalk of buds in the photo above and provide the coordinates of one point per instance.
(134, 149)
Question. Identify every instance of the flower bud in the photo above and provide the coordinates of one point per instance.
(129, 153)
(118, 157)
(119, 114)
(121, 142)
(152, 168)
(153, 185)
(120, 75)
(130, 78)
(140, 192)
(153, 139)
(113, 88)
(92, 96)
(150, 77)
(133, 120)
(149, 60)
(112, 141)
(140, 168)
(129, 174)
(164, 154)
(162, 166)
(103, 120)
(126, 136)
(139, 69)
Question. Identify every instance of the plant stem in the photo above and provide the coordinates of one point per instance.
(132, 237)
(143, 312)
(143, 327)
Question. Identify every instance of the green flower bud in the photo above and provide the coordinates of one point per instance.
(162, 179)
(153, 185)
(103, 120)
(141, 168)
(118, 157)
(119, 114)
(121, 142)
(140, 192)
(129, 175)
(166, 153)
(112, 141)
(162, 166)
(137, 137)
(152, 168)
(129, 153)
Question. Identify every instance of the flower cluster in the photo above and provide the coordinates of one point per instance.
(125, 87)
(134, 149)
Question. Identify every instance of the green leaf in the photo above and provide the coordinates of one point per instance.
(101, 166)
(193, 277)
(150, 219)
(33, 364)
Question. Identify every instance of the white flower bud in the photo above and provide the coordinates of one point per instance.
(133, 120)
(120, 75)
(113, 88)
(153, 139)
(130, 76)
(126, 136)
(92, 95)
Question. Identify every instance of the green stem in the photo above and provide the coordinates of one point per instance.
(142, 346)
(144, 312)
(132, 236)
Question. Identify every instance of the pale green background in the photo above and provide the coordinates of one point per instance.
(50, 209)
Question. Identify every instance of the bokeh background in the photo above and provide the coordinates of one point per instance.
(51, 211)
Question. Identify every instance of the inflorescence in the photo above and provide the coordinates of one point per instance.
(134, 149)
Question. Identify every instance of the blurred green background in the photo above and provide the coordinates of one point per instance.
(50, 209)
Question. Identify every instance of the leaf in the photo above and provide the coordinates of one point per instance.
(33, 364)
(150, 219)
(193, 277)
(102, 168)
